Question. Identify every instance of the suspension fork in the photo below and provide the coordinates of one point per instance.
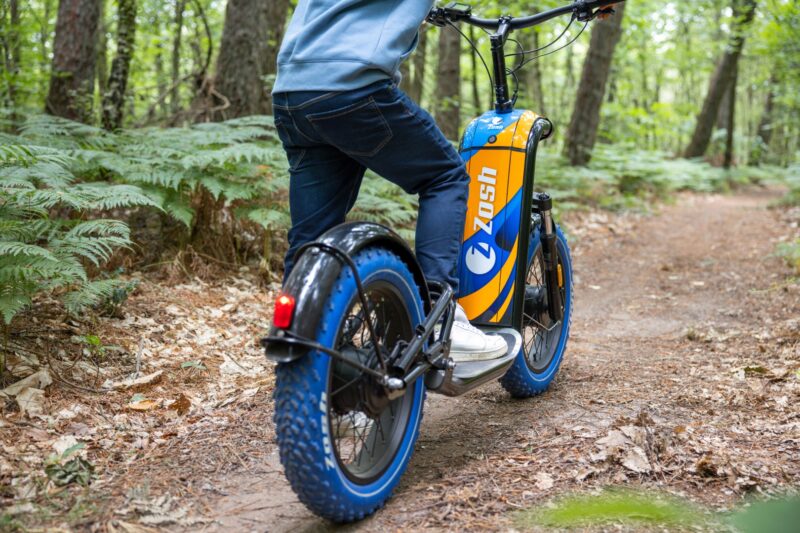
(550, 254)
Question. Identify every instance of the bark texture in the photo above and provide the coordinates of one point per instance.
(74, 60)
(730, 120)
(277, 13)
(175, 94)
(101, 70)
(582, 132)
(418, 58)
(476, 94)
(764, 134)
(448, 105)
(114, 98)
(723, 76)
(12, 51)
(533, 74)
(239, 86)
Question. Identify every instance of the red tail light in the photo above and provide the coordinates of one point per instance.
(284, 311)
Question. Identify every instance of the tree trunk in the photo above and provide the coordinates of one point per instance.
(114, 98)
(405, 76)
(582, 132)
(242, 62)
(764, 134)
(44, 34)
(74, 60)
(418, 62)
(448, 108)
(161, 80)
(730, 123)
(744, 11)
(569, 65)
(13, 52)
(175, 93)
(534, 76)
(476, 94)
(101, 71)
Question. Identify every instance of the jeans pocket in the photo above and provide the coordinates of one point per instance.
(358, 130)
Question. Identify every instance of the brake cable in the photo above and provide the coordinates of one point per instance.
(551, 43)
(557, 49)
(521, 53)
(477, 51)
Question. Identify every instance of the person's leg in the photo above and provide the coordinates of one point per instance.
(382, 129)
(323, 185)
(386, 132)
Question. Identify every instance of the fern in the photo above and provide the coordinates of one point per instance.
(46, 233)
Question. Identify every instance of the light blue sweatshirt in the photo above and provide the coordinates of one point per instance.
(339, 45)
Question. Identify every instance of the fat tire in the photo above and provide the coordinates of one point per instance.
(308, 461)
(520, 381)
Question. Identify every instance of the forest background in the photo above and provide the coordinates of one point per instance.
(144, 125)
(138, 158)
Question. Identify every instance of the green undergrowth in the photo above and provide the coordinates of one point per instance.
(659, 511)
(72, 196)
(614, 507)
(623, 177)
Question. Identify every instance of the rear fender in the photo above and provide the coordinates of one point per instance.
(315, 273)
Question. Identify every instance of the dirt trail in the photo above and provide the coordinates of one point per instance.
(682, 374)
(682, 337)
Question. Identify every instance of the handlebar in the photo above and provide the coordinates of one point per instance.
(584, 10)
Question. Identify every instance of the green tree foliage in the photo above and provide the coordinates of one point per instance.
(67, 190)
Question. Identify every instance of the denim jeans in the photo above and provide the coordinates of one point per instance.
(332, 138)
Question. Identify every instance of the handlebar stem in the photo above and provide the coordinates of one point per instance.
(503, 103)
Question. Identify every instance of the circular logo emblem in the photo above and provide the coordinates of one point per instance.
(493, 139)
(480, 260)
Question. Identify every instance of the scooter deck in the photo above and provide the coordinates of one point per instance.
(467, 375)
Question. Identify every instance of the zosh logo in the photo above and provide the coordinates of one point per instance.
(480, 259)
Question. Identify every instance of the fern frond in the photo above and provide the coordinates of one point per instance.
(13, 299)
(269, 219)
(90, 294)
(13, 248)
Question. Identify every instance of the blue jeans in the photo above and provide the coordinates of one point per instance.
(332, 138)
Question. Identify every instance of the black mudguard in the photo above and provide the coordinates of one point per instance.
(316, 271)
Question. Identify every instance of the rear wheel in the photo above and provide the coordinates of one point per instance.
(544, 341)
(343, 443)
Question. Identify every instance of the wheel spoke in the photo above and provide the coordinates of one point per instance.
(364, 443)
(540, 346)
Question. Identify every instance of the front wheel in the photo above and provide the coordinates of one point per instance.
(343, 444)
(544, 342)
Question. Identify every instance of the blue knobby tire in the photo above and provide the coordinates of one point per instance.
(544, 344)
(314, 398)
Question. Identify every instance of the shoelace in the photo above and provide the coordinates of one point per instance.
(468, 327)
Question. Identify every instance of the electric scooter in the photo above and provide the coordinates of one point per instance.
(360, 336)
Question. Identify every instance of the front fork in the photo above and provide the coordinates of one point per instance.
(544, 205)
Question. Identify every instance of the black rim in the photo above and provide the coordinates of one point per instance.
(366, 438)
(540, 335)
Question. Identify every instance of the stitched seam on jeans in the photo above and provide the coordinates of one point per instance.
(300, 160)
(411, 113)
(279, 124)
(347, 110)
(370, 101)
(305, 104)
(298, 130)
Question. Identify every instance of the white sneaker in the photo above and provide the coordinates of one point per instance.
(354, 423)
(471, 344)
